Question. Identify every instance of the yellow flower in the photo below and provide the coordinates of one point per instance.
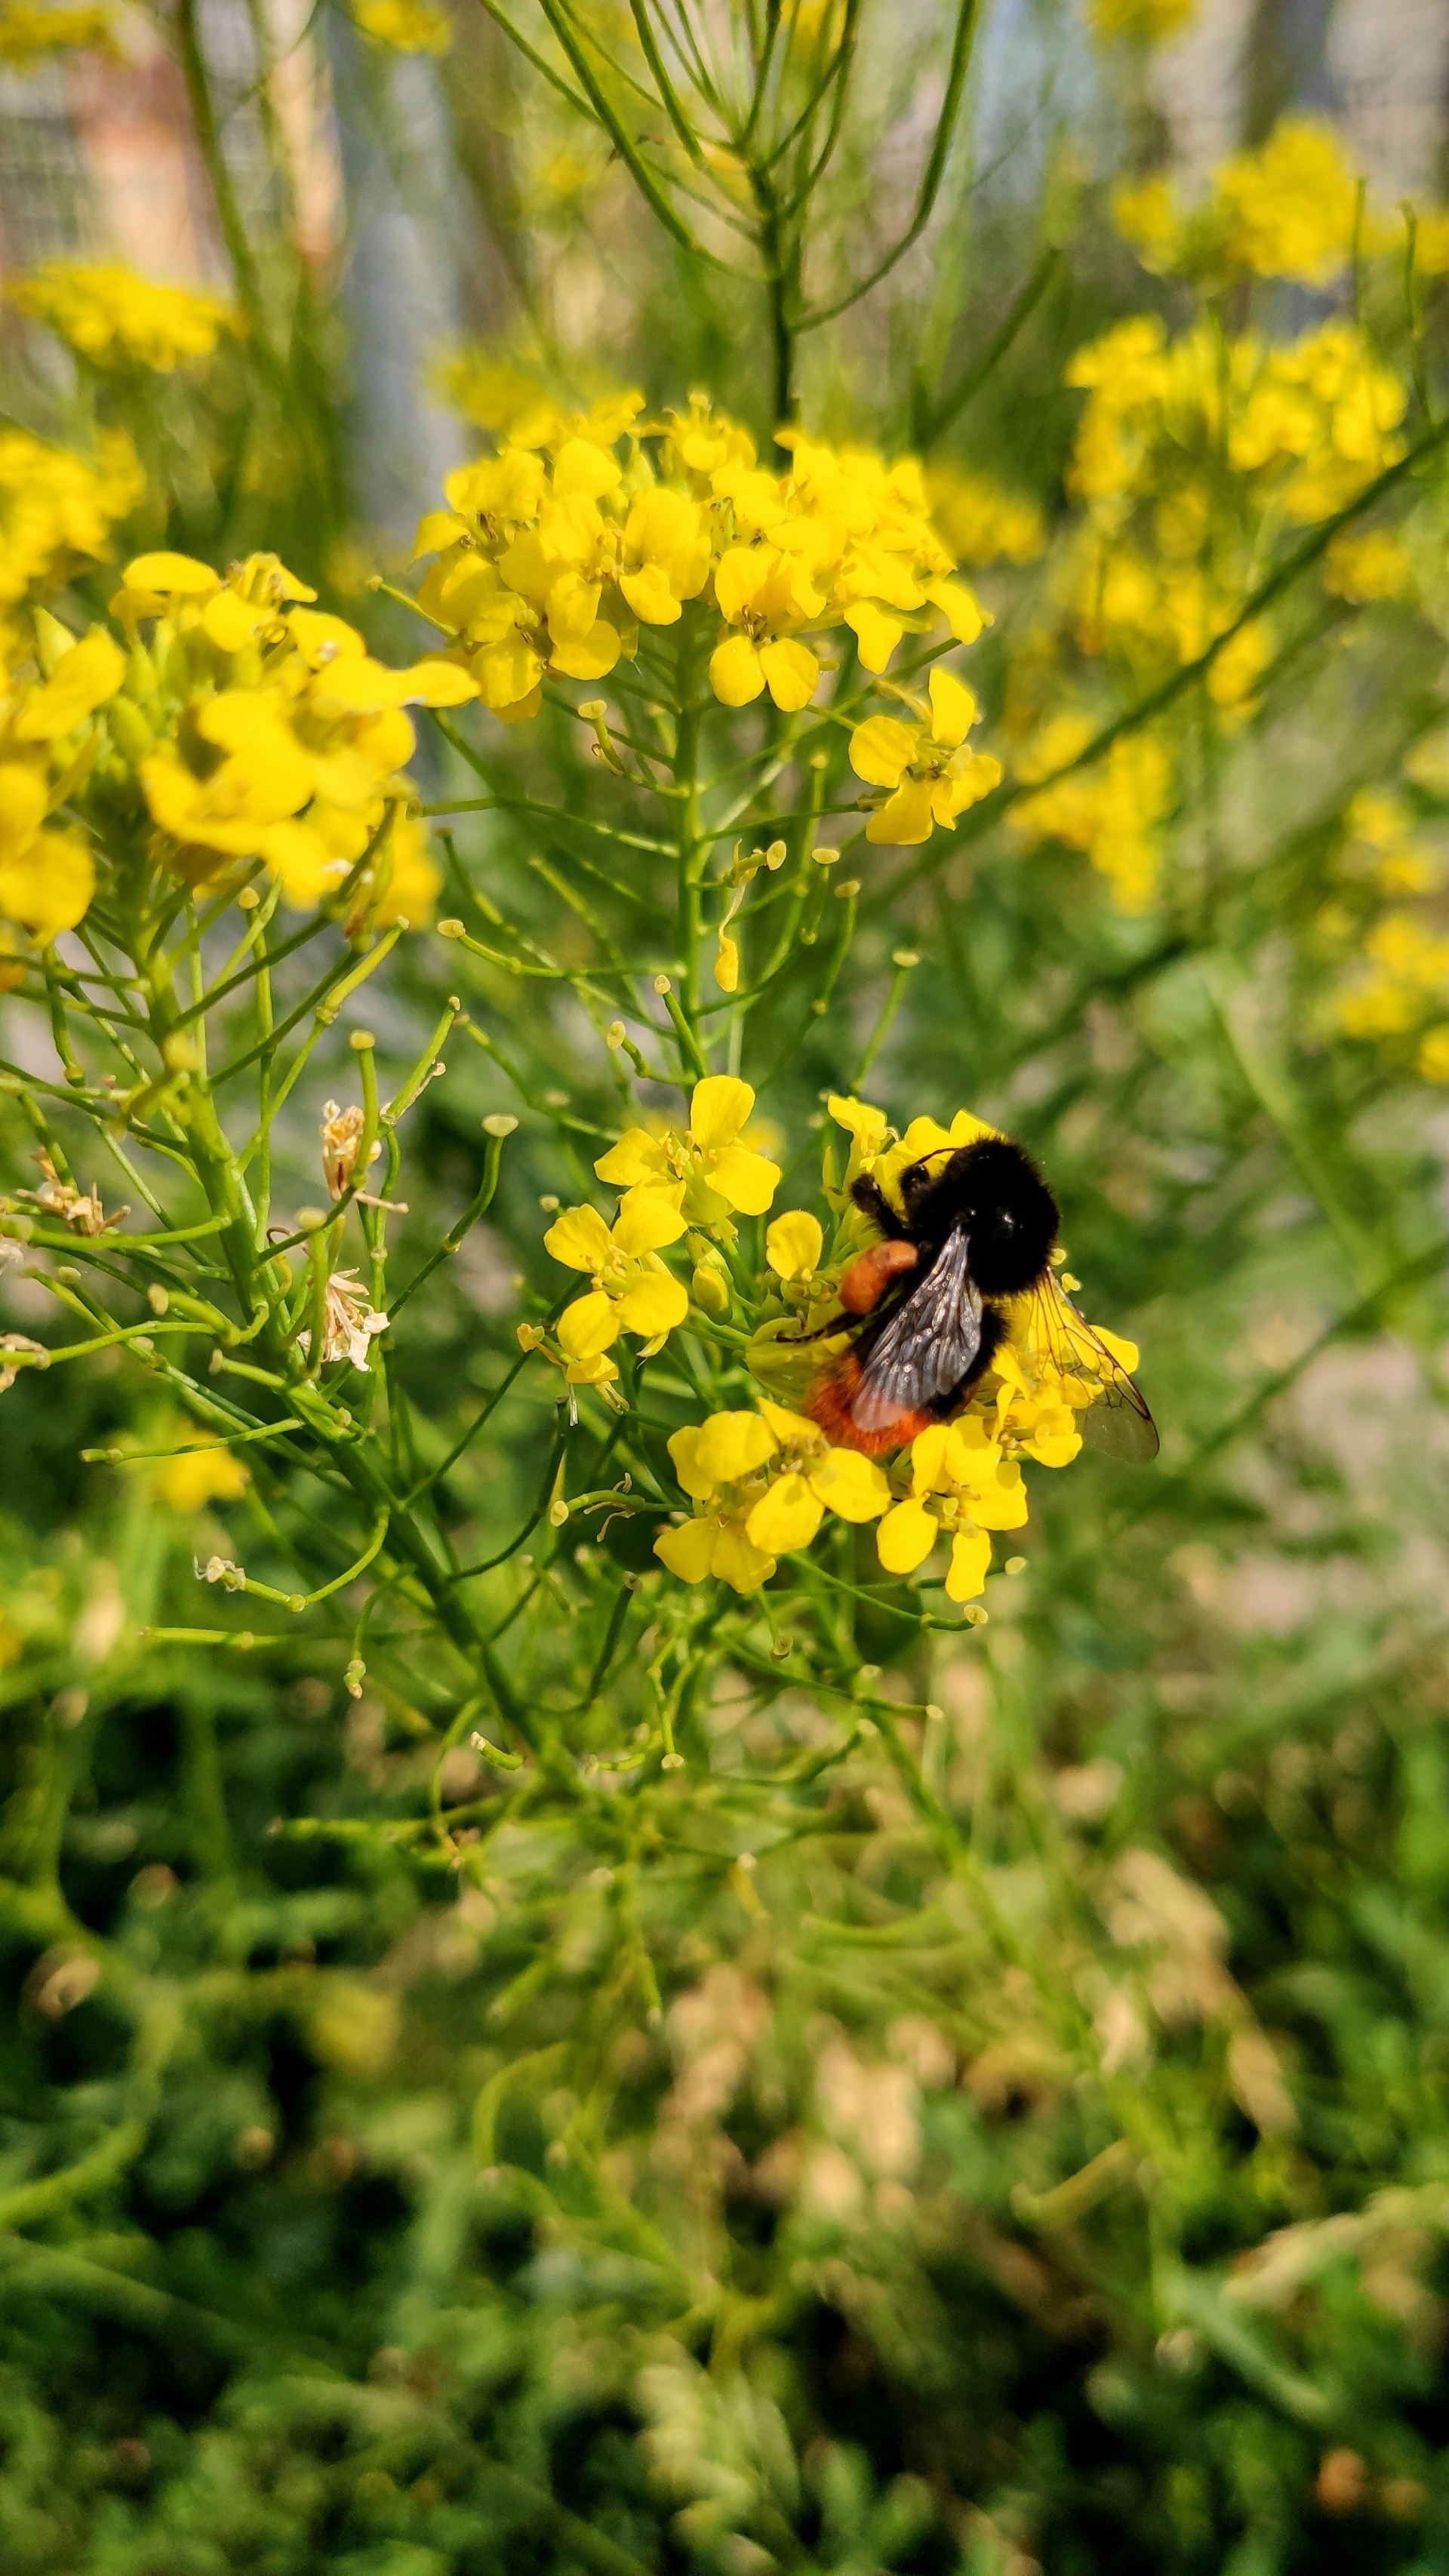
(194, 1477)
(116, 319)
(666, 556)
(793, 1247)
(404, 26)
(1434, 1055)
(764, 594)
(766, 1480)
(1142, 22)
(933, 778)
(1290, 208)
(719, 1173)
(1375, 565)
(47, 877)
(981, 521)
(962, 1484)
(57, 509)
(85, 676)
(31, 35)
(632, 1290)
(1112, 811)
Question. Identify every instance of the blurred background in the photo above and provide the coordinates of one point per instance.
(345, 2308)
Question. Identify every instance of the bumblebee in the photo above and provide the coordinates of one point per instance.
(922, 1306)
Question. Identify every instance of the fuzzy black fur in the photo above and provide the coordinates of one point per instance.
(995, 1191)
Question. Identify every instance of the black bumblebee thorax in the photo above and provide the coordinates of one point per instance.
(993, 1192)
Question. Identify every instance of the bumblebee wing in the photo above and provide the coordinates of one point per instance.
(926, 1347)
(1119, 1422)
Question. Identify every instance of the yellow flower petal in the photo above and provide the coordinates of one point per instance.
(733, 1445)
(928, 1459)
(637, 1157)
(48, 885)
(962, 613)
(588, 1326)
(591, 656)
(727, 964)
(1002, 1504)
(906, 1537)
(852, 1487)
(906, 817)
(738, 1562)
(867, 1125)
(689, 1550)
(734, 672)
(580, 1239)
(792, 1430)
(791, 672)
(787, 1517)
(83, 679)
(876, 634)
(690, 1466)
(648, 1218)
(653, 1304)
(970, 1565)
(794, 1244)
(719, 1107)
(953, 709)
(746, 1181)
(880, 749)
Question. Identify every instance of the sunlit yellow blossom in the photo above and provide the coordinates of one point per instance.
(981, 521)
(794, 1245)
(405, 26)
(1290, 208)
(632, 1290)
(764, 595)
(765, 1482)
(933, 777)
(277, 736)
(552, 554)
(1143, 22)
(196, 1476)
(31, 35)
(665, 556)
(708, 1172)
(116, 319)
(57, 509)
(1111, 810)
(1374, 565)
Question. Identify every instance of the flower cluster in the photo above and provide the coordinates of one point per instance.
(233, 726)
(262, 730)
(553, 554)
(1140, 22)
(115, 319)
(1291, 209)
(47, 875)
(31, 35)
(1112, 810)
(1189, 454)
(404, 26)
(930, 774)
(762, 1482)
(701, 1177)
(981, 521)
(57, 510)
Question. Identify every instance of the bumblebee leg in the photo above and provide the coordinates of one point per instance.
(871, 1200)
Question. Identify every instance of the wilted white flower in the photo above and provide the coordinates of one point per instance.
(341, 1137)
(20, 1342)
(350, 1321)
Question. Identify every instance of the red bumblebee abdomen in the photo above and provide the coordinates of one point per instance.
(866, 1281)
(830, 1406)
